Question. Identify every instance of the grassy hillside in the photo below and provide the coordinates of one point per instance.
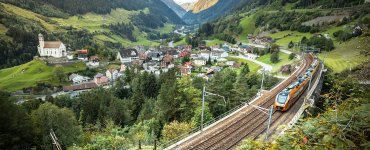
(347, 55)
(31, 73)
(283, 60)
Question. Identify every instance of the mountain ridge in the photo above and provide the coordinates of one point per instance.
(175, 7)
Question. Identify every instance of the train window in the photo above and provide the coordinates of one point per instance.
(282, 99)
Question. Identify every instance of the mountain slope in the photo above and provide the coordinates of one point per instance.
(74, 7)
(101, 32)
(221, 8)
(203, 5)
(175, 7)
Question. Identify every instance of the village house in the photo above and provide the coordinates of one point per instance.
(101, 80)
(185, 53)
(112, 74)
(262, 40)
(199, 61)
(82, 54)
(166, 61)
(171, 51)
(226, 48)
(51, 48)
(155, 55)
(127, 55)
(214, 55)
(186, 69)
(93, 62)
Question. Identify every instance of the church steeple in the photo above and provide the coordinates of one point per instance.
(41, 40)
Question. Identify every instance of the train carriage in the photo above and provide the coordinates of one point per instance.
(286, 98)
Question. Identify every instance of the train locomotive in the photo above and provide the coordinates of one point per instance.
(286, 98)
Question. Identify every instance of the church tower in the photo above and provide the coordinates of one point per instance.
(41, 41)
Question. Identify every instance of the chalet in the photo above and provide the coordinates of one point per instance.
(199, 61)
(51, 48)
(82, 54)
(127, 55)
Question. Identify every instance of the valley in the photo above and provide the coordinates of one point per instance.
(147, 74)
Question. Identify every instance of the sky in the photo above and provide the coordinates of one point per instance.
(184, 1)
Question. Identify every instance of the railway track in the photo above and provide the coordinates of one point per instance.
(246, 123)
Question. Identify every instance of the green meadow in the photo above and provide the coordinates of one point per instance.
(31, 73)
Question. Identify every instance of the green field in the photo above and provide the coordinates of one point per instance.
(253, 67)
(248, 26)
(214, 42)
(284, 37)
(93, 22)
(35, 71)
(284, 59)
(347, 54)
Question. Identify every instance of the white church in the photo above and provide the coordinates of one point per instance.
(51, 48)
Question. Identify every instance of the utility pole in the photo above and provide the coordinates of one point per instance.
(203, 99)
(55, 140)
(263, 76)
(266, 111)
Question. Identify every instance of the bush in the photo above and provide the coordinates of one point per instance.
(274, 57)
(291, 56)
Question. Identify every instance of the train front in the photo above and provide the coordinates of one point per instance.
(281, 101)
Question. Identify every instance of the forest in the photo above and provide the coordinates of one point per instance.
(140, 107)
(75, 7)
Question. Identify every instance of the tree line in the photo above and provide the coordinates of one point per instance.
(139, 107)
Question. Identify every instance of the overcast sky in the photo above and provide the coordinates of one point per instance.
(184, 1)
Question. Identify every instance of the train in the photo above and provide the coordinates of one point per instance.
(287, 97)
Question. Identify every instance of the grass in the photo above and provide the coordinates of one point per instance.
(3, 31)
(284, 59)
(36, 71)
(253, 67)
(248, 26)
(93, 22)
(182, 42)
(284, 37)
(167, 28)
(28, 15)
(214, 42)
(346, 55)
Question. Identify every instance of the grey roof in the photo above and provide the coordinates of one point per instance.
(128, 53)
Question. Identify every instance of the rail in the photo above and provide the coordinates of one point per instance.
(196, 131)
